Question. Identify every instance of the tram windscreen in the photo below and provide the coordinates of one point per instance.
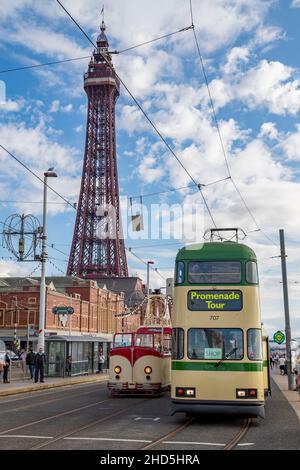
(215, 272)
(208, 343)
(143, 340)
(123, 340)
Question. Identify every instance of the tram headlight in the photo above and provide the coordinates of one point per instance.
(117, 369)
(148, 370)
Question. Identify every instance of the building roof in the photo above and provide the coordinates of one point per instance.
(131, 286)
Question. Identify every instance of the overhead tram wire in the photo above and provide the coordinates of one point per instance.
(145, 115)
(145, 262)
(37, 176)
(27, 67)
(219, 131)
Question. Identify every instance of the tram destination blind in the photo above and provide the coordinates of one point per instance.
(215, 300)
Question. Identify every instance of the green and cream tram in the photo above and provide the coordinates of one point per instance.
(217, 364)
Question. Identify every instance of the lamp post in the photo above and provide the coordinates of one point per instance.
(42, 313)
(148, 280)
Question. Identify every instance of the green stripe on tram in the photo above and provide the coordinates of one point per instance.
(224, 367)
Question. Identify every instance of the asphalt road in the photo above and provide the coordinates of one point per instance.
(85, 417)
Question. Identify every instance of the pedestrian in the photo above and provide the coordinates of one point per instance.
(22, 358)
(30, 361)
(6, 368)
(271, 362)
(68, 365)
(281, 364)
(101, 360)
(39, 362)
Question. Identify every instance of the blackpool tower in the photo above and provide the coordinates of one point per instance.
(98, 249)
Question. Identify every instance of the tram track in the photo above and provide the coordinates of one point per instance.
(239, 436)
(82, 428)
(46, 402)
(229, 446)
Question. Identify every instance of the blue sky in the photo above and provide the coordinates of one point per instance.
(250, 49)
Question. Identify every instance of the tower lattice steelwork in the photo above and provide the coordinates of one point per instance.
(98, 249)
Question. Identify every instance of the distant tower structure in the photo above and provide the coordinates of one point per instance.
(91, 256)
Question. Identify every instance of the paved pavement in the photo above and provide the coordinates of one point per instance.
(26, 385)
(293, 397)
(84, 416)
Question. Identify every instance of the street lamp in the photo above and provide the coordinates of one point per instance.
(148, 280)
(42, 313)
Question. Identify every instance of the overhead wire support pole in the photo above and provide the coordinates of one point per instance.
(286, 310)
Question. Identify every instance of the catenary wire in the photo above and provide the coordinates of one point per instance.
(144, 114)
(27, 67)
(218, 128)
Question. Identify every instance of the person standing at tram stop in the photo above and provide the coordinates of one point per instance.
(6, 368)
(282, 362)
(101, 360)
(39, 362)
(22, 358)
(30, 361)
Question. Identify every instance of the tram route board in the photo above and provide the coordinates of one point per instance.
(212, 300)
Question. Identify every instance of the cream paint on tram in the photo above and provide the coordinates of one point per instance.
(217, 384)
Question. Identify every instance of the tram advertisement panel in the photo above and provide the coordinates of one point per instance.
(221, 300)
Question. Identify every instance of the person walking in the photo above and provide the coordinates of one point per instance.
(68, 365)
(30, 361)
(281, 364)
(101, 360)
(6, 368)
(39, 363)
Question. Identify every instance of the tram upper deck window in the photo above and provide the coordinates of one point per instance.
(215, 272)
(208, 343)
(179, 277)
(254, 340)
(123, 340)
(251, 272)
(143, 340)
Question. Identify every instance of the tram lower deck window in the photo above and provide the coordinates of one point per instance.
(215, 272)
(218, 343)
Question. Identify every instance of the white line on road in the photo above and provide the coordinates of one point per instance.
(103, 439)
(247, 444)
(195, 443)
(26, 437)
(139, 418)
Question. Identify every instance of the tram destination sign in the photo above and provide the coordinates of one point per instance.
(215, 300)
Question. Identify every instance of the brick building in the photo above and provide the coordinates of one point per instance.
(80, 335)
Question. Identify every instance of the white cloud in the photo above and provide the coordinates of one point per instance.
(57, 107)
(269, 129)
(291, 145)
(272, 85)
(295, 4)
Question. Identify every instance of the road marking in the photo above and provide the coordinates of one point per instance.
(103, 439)
(247, 444)
(139, 418)
(26, 437)
(195, 443)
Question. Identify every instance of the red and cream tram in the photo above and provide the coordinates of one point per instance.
(140, 362)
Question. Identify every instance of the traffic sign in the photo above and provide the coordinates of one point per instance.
(63, 310)
(279, 337)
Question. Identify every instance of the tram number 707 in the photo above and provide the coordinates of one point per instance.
(214, 317)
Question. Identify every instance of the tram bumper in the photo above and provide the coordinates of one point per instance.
(220, 407)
